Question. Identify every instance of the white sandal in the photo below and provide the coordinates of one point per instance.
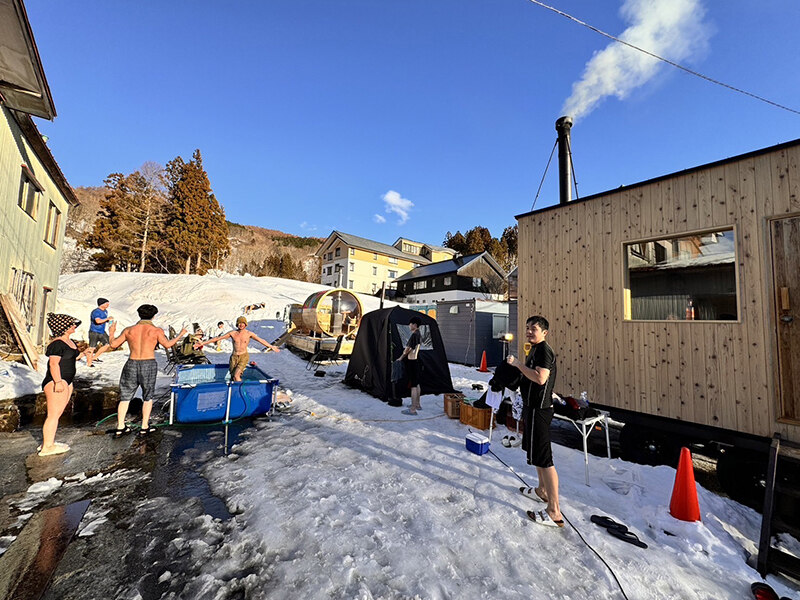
(542, 517)
(532, 493)
(58, 448)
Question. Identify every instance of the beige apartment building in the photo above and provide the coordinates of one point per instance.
(364, 265)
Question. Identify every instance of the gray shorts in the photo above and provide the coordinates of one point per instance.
(137, 373)
(97, 339)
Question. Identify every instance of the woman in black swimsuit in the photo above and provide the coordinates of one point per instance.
(57, 385)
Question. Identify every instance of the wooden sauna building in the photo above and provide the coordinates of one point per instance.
(675, 302)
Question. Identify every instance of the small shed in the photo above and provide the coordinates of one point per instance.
(470, 327)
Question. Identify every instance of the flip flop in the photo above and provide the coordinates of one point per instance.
(532, 493)
(607, 522)
(763, 591)
(506, 441)
(627, 536)
(515, 441)
(58, 448)
(408, 412)
(542, 517)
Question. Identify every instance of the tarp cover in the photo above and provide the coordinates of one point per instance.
(381, 338)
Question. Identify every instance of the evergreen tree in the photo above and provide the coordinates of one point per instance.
(196, 226)
(130, 213)
(106, 233)
(509, 240)
(455, 242)
(478, 239)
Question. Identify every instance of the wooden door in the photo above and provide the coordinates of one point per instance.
(785, 234)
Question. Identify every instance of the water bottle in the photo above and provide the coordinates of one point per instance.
(584, 400)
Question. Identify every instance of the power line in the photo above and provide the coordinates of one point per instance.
(661, 58)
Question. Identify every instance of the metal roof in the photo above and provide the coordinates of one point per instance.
(450, 266)
(372, 246)
(23, 85)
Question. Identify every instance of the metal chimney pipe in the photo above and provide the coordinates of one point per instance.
(563, 126)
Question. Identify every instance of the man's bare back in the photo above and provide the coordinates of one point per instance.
(143, 338)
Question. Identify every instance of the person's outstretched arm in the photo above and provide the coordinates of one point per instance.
(202, 343)
(265, 343)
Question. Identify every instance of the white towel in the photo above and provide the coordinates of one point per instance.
(494, 399)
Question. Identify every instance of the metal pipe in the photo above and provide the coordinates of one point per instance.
(563, 126)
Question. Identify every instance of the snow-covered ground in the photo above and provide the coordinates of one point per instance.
(344, 497)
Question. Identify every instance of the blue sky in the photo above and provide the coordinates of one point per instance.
(388, 118)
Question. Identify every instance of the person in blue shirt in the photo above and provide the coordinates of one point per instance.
(97, 324)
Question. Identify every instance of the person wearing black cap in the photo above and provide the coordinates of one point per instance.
(62, 354)
(97, 324)
(141, 368)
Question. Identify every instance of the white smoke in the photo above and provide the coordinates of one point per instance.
(672, 29)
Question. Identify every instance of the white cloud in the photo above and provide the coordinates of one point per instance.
(398, 205)
(379, 219)
(306, 227)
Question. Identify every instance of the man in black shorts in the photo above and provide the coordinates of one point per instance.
(411, 356)
(539, 371)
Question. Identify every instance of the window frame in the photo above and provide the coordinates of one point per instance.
(626, 304)
(29, 190)
(52, 226)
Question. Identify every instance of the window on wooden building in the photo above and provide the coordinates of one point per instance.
(53, 224)
(29, 190)
(420, 285)
(691, 277)
(24, 291)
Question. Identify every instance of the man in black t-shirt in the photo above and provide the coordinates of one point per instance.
(411, 357)
(539, 371)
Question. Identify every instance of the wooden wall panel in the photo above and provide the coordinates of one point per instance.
(714, 373)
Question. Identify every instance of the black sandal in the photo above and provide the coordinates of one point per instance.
(118, 433)
(627, 536)
(608, 523)
(148, 431)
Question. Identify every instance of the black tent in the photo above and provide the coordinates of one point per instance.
(382, 335)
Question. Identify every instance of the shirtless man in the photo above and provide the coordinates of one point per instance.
(241, 338)
(141, 368)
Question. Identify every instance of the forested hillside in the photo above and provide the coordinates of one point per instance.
(253, 250)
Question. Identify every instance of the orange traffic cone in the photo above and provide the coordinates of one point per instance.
(684, 505)
(483, 368)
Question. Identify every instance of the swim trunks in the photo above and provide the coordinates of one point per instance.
(137, 373)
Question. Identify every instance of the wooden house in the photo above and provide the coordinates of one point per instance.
(674, 301)
(34, 194)
(472, 276)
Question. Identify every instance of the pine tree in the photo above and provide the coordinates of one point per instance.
(130, 214)
(196, 226)
(509, 240)
(455, 242)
